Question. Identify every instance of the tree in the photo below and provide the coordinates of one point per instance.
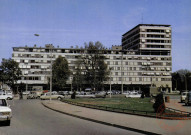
(10, 73)
(175, 81)
(78, 78)
(181, 79)
(60, 73)
(95, 70)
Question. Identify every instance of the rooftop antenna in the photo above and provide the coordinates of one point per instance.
(141, 18)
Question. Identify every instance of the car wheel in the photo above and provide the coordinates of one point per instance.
(8, 122)
(8, 98)
(59, 98)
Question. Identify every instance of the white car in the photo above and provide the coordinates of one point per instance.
(126, 92)
(5, 111)
(6, 96)
(183, 96)
(26, 92)
(52, 95)
(101, 94)
(133, 95)
(85, 95)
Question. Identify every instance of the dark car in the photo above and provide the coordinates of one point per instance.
(188, 98)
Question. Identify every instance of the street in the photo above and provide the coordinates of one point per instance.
(30, 117)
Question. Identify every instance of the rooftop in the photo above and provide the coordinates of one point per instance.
(155, 25)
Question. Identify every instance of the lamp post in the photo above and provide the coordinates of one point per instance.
(26, 85)
(71, 78)
(26, 79)
(176, 82)
(185, 82)
(50, 71)
(122, 70)
(110, 83)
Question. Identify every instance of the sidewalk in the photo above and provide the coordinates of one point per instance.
(130, 122)
(175, 104)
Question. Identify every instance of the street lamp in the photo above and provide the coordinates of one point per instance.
(26, 85)
(185, 82)
(50, 49)
(176, 82)
(110, 82)
(71, 78)
(26, 78)
(122, 51)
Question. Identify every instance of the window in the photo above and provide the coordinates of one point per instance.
(3, 102)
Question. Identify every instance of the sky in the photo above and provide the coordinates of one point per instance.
(67, 23)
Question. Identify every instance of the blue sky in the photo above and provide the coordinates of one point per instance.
(73, 22)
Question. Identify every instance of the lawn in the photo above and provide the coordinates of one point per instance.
(138, 104)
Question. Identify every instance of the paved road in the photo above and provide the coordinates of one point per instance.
(30, 117)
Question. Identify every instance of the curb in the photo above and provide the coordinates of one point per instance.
(101, 122)
(142, 115)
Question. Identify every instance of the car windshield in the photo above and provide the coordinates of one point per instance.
(3, 102)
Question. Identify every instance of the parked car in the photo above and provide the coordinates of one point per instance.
(88, 90)
(70, 92)
(188, 98)
(26, 92)
(101, 94)
(85, 95)
(9, 92)
(183, 96)
(110, 92)
(6, 96)
(5, 111)
(133, 95)
(126, 92)
(62, 93)
(34, 95)
(53, 95)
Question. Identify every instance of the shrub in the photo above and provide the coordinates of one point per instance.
(159, 105)
(73, 96)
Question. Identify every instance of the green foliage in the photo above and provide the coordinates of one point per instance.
(22, 87)
(78, 78)
(95, 70)
(60, 73)
(121, 102)
(73, 96)
(10, 72)
(181, 80)
(159, 105)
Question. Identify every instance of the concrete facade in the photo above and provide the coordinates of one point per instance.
(143, 60)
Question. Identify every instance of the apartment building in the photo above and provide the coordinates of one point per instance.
(143, 60)
(152, 42)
